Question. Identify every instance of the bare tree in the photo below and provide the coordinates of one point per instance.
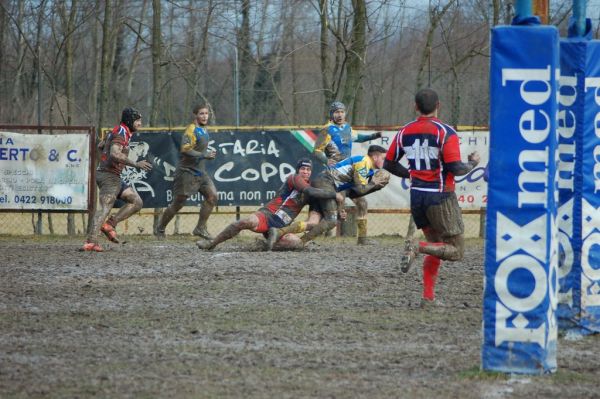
(3, 29)
(435, 15)
(105, 63)
(245, 56)
(17, 94)
(295, 57)
(356, 58)
(68, 22)
(137, 29)
(156, 61)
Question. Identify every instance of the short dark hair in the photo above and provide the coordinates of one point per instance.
(376, 148)
(427, 101)
(200, 106)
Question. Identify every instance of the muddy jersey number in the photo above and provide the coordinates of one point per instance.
(421, 155)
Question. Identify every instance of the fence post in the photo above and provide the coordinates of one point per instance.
(348, 227)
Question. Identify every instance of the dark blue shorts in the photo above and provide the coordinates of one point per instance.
(439, 211)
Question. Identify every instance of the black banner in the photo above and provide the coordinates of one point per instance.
(248, 169)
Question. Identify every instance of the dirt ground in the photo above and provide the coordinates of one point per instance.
(164, 319)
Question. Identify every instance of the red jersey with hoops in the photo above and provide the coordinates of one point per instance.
(289, 200)
(119, 135)
(428, 145)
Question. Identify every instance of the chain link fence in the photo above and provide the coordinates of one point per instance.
(393, 222)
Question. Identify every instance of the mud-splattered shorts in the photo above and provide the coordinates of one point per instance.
(266, 220)
(110, 184)
(440, 211)
(188, 184)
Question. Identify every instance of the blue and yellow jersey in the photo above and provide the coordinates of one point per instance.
(194, 138)
(351, 172)
(334, 142)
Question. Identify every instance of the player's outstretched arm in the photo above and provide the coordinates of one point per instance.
(361, 138)
(396, 169)
(319, 193)
(459, 168)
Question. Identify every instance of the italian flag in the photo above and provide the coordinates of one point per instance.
(306, 137)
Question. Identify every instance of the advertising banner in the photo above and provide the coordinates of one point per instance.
(519, 320)
(248, 170)
(43, 171)
(251, 165)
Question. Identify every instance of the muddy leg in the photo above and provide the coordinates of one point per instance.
(170, 212)
(106, 203)
(329, 208)
(446, 220)
(249, 223)
(134, 204)
(450, 248)
(209, 192)
(324, 225)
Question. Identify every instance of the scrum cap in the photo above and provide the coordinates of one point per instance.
(130, 115)
(303, 162)
(334, 107)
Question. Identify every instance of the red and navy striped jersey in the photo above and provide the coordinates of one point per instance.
(428, 145)
(289, 200)
(119, 135)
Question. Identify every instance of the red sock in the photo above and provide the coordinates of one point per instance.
(431, 265)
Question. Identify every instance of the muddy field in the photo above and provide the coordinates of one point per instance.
(163, 319)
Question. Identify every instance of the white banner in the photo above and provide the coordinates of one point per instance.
(42, 171)
(471, 190)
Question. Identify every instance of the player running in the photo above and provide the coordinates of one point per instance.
(191, 176)
(433, 153)
(113, 158)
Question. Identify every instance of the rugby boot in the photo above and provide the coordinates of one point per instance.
(272, 238)
(91, 247)
(201, 231)
(206, 245)
(109, 232)
(409, 256)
